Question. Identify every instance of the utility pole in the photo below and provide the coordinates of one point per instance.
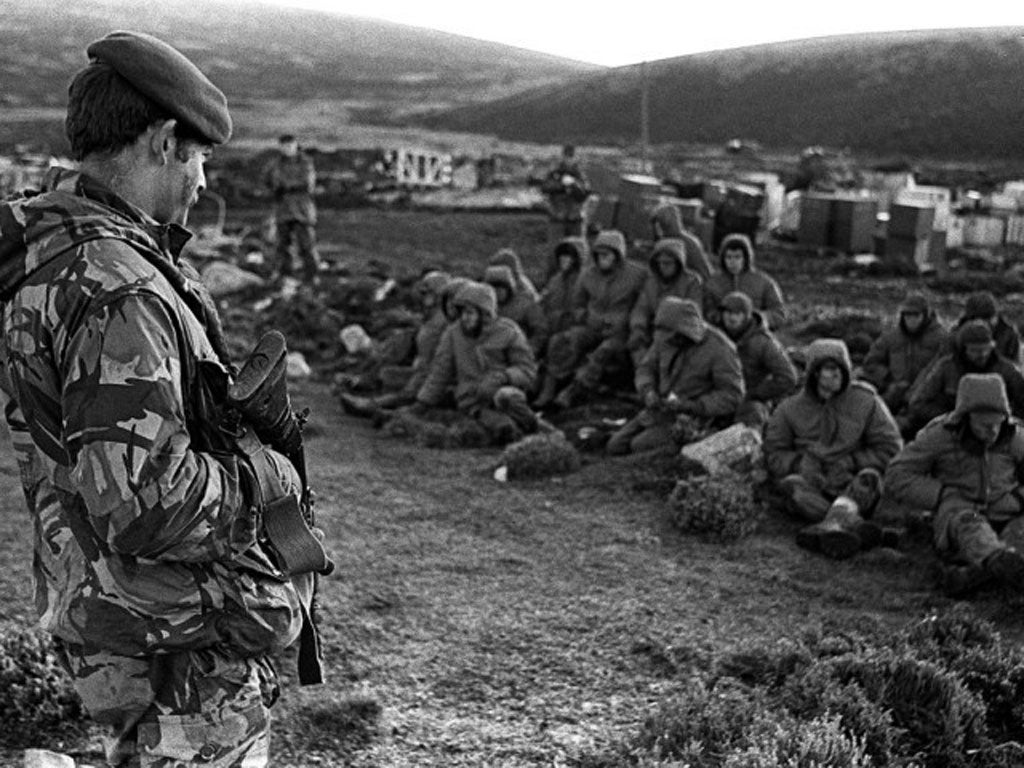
(645, 132)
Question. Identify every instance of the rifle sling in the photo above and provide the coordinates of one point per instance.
(300, 550)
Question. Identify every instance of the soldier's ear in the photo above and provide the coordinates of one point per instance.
(162, 140)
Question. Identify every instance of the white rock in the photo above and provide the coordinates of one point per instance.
(355, 339)
(297, 367)
(223, 278)
(44, 758)
(717, 451)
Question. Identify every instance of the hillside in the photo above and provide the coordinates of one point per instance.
(263, 56)
(953, 94)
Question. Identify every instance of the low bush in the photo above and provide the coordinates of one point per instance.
(542, 455)
(943, 693)
(722, 507)
(37, 701)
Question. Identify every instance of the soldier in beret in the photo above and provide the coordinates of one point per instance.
(164, 604)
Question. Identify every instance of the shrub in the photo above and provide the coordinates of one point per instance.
(767, 666)
(701, 726)
(721, 507)
(37, 700)
(943, 719)
(541, 455)
(820, 743)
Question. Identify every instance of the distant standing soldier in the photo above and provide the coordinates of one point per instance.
(291, 178)
(566, 189)
(149, 564)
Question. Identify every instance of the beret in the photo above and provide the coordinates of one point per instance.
(166, 76)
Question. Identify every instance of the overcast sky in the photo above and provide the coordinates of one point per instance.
(616, 32)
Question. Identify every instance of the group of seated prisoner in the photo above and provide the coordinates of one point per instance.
(928, 421)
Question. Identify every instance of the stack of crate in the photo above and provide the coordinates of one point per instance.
(842, 222)
(909, 236)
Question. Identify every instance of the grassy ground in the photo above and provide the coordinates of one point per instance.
(478, 623)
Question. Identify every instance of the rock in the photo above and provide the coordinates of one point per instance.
(355, 339)
(44, 758)
(223, 279)
(718, 451)
(297, 367)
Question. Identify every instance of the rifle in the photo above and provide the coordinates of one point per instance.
(259, 394)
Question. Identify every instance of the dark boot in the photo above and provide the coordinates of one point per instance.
(394, 400)
(358, 406)
(569, 396)
(1006, 566)
(866, 491)
(842, 534)
(962, 580)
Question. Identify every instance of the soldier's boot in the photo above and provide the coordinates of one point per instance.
(548, 390)
(356, 405)
(1006, 566)
(961, 580)
(393, 400)
(866, 491)
(842, 534)
(894, 537)
(569, 396)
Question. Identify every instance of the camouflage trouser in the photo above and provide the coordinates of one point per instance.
(190, 708)
(304, 236)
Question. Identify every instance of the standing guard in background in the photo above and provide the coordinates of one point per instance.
(291, 178)
(566, 189)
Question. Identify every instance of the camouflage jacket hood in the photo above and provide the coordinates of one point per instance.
(140, 528)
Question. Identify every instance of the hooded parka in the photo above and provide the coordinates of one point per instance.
(762, 289)
(684, 284)
(849, 432)
(478, 366)
(519, 308)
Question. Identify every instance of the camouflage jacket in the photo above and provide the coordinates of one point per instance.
(292, 181)
(141, 539)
